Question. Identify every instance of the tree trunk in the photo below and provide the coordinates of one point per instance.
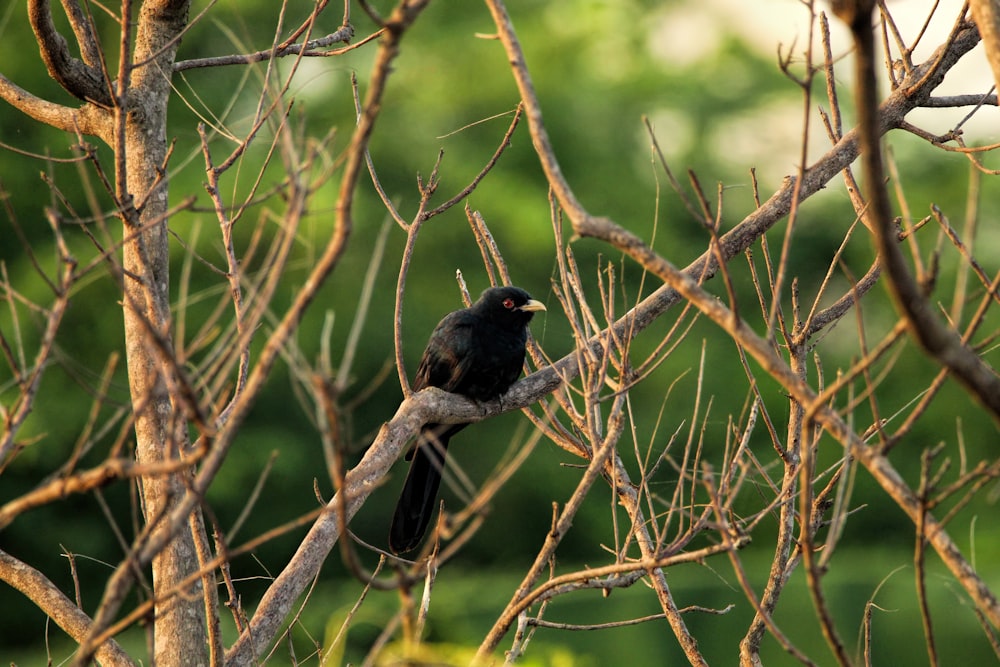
(160, 426)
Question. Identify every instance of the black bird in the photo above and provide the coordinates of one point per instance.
(477, 352)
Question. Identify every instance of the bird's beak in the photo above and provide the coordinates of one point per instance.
(532, 306)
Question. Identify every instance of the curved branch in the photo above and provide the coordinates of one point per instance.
(76, 77)
(422, 407)
(940, 341)
(533, 111)
(287, 587)
(908, 96)
(47, 596)
(913, 92)
(88, 119)
(83, 28)
(877, 464)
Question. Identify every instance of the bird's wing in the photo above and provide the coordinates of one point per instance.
(447, 358)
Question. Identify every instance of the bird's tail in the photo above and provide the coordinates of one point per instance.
(416, 502)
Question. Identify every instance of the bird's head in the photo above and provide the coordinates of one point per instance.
(509, 304)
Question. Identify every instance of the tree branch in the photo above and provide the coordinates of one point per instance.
(83, 28)
(277, 601)
(986, 13)
(76, 77)
(913, 92)
(343, 34)
(88, 119)
(940, 341)
(51, 601)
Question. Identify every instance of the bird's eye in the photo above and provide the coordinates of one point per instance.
(508, 304)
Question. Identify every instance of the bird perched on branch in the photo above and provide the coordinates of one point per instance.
(477, 352)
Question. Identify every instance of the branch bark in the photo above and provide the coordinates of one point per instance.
(940, 341)
(138, 137)
(47, 596)
(75, 76)
(87, 120)
(161, 430)
(987, 16)
(308, 559)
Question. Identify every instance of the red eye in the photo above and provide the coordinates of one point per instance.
(508, 303)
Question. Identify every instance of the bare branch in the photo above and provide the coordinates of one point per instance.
(80, 79)
(47, 596)
(88, 120)
(987, 16)
(309, 49)
(941, 342)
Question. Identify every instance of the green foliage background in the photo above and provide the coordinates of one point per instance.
(596, 68)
